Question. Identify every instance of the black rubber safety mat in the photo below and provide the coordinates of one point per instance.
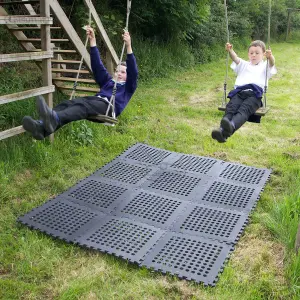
(176, 213)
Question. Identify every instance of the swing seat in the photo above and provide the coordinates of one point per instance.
(262, 111)
(106, 120)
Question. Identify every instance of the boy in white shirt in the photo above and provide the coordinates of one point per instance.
(246, 97)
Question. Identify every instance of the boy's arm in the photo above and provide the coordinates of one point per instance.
(132, 71)
(232, 54)
(270, 57)
(99, 71)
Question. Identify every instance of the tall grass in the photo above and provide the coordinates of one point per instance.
(282, 220)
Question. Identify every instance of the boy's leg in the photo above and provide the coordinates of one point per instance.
(233, 106)
(36, 128)
(226, 128)
(80, 109)
(69, 111)
(249, 107)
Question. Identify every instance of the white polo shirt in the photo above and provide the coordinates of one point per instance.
(248, 73)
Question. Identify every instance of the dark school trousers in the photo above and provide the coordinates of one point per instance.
(80, 109)
(241, 106)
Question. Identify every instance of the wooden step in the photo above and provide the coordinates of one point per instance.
(7, 20)
(79, 88)
(31, 28)
(59, 51)
(27, 94)
(11, 132)
(30, 15)
(69, 79)
(20, 2)
(64, 51)
(32, 40)
(54, 70)
(65, 61)
(25, 56)
(68, 93)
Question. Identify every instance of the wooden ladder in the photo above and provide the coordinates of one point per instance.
(44, 56)
(66, 51)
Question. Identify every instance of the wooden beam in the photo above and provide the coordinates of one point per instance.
(65, 51)
(31, 10)
(27, 94)
(69, 93)
(79, 88)
(109, 64)
(57, 51)
(8, 20)
(70, 71)
(102, 31)
(46, 46)
(69, 79)
(11, 132)
(25, 56)
(70, 31)
(20, 2)
(32, 28)
(288, 25)
(65, 61)
(33, 40)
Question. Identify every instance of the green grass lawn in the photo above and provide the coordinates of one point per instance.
(177, 114)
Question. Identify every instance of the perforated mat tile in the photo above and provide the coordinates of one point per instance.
(151, 208)
(189, 257)
(124, 172)
(96, 193)
(60, 218)
(146, 154)
(169, 211)
(125, 238)
(228, 195)
(214, 223)
(244, 174)
(200, 165)
(181, 185)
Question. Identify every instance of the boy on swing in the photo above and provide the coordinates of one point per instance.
(246, 97)
(85, 107)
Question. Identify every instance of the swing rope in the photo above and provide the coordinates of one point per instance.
(114, 91)
(111, 102)
(268, 41)
(227, 58)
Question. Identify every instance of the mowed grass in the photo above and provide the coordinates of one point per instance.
(175, 113)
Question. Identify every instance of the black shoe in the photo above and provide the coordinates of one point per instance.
(217, 134)
(47, 115)
(227, 126)
(34, 127)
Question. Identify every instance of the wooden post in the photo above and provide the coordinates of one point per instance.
(288, 25)
(46, 46)
(297, 241)
(109, 63)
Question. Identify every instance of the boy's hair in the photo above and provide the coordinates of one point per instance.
(123, 63)
(258, 43)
